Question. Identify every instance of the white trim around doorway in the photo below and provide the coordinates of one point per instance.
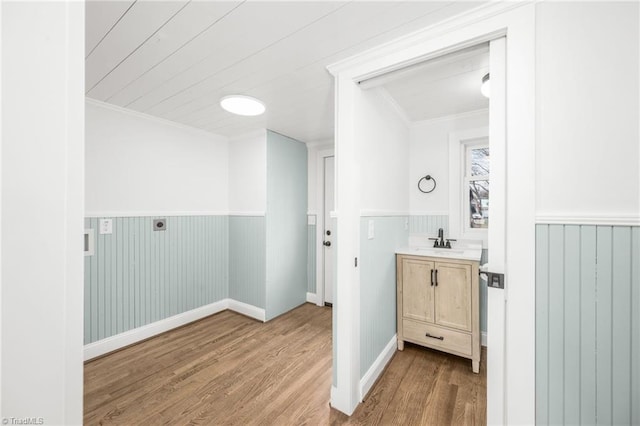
(517, 23)
(320, 156)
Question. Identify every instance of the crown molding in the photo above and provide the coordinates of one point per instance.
(250, 135)
(400, 112)
(451, 117)
(142, 115)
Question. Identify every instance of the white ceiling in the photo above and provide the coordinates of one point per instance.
(175, 59)
(444, 86)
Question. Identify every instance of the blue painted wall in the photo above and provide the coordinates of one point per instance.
(138, 276)
(378, 285)
(247, 260)
(587, 325)
(428, 224)
(286, 224)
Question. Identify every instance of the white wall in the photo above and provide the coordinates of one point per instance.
(587, 109)
(42, 209)
(429, 155)
(383, 144)
(136, 164)
(248, 173)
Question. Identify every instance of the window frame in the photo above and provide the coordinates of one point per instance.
(459, 212)
(468, 178)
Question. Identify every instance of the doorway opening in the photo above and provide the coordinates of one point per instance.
(368, 168)
(438, 108)
(328, 229)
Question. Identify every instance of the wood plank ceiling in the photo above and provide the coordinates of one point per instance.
(176, 59)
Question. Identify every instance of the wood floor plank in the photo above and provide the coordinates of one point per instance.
(228, 369)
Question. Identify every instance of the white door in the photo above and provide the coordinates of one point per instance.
(328, 234)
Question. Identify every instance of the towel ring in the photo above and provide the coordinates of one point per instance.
(427, 177)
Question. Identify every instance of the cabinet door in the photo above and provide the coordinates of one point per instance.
(453, 296)
(417, 290)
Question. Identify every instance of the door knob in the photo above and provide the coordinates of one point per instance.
(327, 243)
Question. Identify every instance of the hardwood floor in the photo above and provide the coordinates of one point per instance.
(229, 369)
(421, 386)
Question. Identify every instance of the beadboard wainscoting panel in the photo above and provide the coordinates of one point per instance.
(311, 259)
(247, 260)
(587, 324)
(378, 285)
(138, 276)
(635, 323)
(428, 224)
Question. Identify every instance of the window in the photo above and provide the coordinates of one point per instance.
(469, 184)
(476, 182)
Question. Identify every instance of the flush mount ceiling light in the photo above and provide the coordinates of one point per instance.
(485, 89)
(242, 105)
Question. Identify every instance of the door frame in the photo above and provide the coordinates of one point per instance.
(320, 156)
(514, 401)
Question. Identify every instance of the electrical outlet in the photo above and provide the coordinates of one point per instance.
(106, 226)
(371, 233)
(159, 224)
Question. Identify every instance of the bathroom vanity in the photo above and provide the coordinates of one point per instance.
(438, 299)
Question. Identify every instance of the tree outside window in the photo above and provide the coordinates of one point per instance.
(477, 180)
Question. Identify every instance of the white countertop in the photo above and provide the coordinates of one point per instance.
(465, 250)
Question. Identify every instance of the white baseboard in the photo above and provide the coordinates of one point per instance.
(246, 309)
(483, 338)
(130, 337)
(312, 298)
(333, 395)
(110, 344)
(370, 377)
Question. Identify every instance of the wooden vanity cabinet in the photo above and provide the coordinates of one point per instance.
(438, 305)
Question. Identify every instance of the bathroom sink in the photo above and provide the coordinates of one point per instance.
(467, 252)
